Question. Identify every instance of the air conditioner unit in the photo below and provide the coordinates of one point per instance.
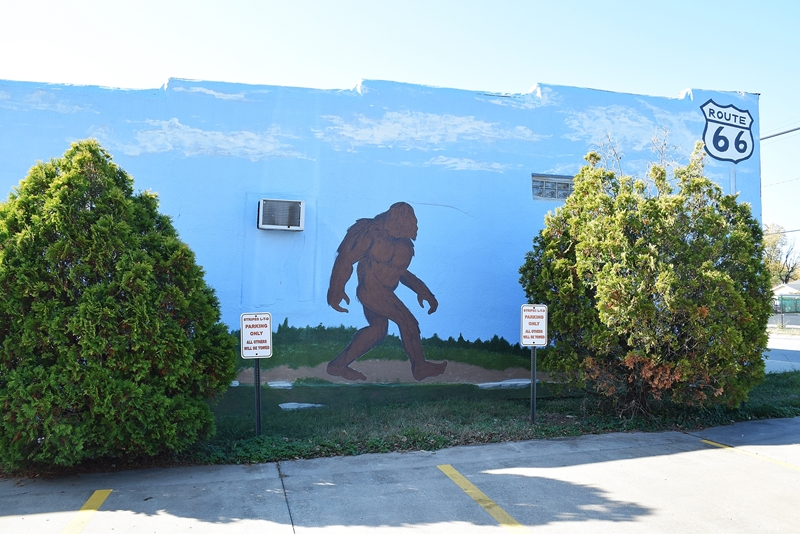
(281, 214)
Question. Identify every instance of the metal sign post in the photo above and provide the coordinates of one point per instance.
(533, 333)
(255, 338)
(533, 385)
(257, 376)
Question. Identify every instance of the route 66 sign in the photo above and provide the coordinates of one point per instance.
(727, 134)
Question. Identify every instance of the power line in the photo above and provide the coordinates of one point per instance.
(779, 183)
(779, 133)
(788, 123)
(784, 182)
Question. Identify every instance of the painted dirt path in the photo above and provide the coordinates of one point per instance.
(390, 371)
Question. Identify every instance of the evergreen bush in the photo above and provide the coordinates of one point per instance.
(110, 340)
(655, 290)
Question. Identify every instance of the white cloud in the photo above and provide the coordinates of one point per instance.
(415, 130)
(42, 101)
(625, 126)
(464, 164)
(215, 94)
(171, 135)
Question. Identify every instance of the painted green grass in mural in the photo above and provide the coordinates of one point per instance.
(311, 346)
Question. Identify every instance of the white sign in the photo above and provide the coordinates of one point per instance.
(256, 335)
(727, 135)
(533, 325)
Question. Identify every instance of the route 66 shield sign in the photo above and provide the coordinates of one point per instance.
(727, 134)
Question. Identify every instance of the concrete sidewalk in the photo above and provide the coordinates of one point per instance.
(740, 478)
(783, 353)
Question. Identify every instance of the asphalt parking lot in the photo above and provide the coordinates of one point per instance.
(739, 478)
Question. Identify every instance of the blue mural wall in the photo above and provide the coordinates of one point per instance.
(463, 160)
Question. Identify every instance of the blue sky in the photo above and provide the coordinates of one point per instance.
(655, 48)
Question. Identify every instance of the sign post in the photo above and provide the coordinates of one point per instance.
(533, 333)
(255, 338)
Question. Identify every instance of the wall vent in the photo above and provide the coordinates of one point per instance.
(551, 186)
(281, 214)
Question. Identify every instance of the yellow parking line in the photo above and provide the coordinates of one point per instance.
(86, 512)
(491, 507)
(736, 449)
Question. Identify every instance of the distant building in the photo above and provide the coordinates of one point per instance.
(792, 288)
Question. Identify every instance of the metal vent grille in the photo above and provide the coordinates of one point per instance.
(280, 214)
(551, 186)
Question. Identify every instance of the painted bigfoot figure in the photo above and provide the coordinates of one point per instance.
(383, 249)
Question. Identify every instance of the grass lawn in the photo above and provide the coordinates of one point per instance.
(382, 418)
(362, 419)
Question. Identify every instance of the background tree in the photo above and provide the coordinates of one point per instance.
(660, 295)
(780, 256)
(110, 340)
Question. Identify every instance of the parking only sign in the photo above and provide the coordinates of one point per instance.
(533, 325)
(256, 335)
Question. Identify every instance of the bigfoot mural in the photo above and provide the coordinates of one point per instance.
(383, 247)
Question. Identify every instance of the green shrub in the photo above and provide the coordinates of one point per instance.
(110, 340)
(653, 292)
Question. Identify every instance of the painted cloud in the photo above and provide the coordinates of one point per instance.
(537, 97)
(41, 101)
(171, 135)
(674, 124)
(634, 132)
(215, 94)
(415, 130)
(465, 164)
(631, 128)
